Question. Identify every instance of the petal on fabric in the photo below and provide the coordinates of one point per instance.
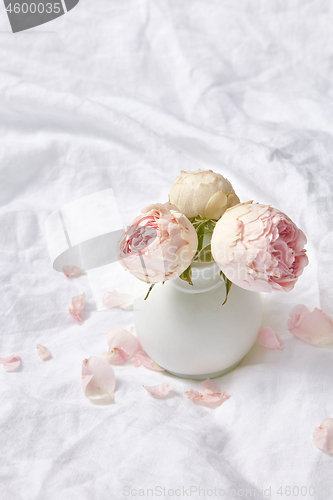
(323, 435)
(76, 306)
(212, 395)
(115, 299)
(115, 357)
(193, 395)
(122, 345)
(141, 358)
(10, 363)
(121, 338)
(98, 378)
(296, 316)
(269, 338)
(209, 386)
(43, 352)
(314, 327)
(72, 271)
(159, 390)
(136, 362)
(87, 375)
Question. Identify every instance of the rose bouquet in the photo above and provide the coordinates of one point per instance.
(257, 247)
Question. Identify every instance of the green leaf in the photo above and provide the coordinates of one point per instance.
(204, 255)
(197, 218)
(228, 284)
(201, 228)
(187, 275)
(150, 289)
(211, 225)
(204, 227)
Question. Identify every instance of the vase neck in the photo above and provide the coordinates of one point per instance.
(205, 277)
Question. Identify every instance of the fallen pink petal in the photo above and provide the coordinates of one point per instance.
(122, 345)
(315, 328)
(76, 307)
(72, 271)
(141, 358)
(323, 435)
(115, 299)
(210, 387)
(98, 378)
(10, 363)
(212, 395)
(43, 352)
(159, 390)
(115, 357)
(269, 338)
(87, 375)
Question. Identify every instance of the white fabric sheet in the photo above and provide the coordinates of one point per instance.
(124, 95)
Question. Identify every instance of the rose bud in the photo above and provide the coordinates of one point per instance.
(202, 193)
(158, 245)
(259, 248)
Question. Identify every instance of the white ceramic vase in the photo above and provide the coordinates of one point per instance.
(187, 330)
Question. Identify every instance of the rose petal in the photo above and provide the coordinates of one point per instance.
(297, 314)
(115, 357)
(10, 363)
(210, 387)
(98, 378)
(121, 338)
(122, 344)
(43, 352)
(72, 271)
(314, 327)
(323, 435)
(115, 299)
(76, 306)
(212, 395)
(87, 375)
(268, 338)
(141, 358)
(159, 390)
(193, 395)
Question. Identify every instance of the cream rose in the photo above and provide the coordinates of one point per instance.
(203, 193)
(159, 244)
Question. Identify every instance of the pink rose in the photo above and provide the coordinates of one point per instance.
(259, 248)
(159, 245)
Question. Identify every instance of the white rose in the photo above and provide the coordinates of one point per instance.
(203, 193)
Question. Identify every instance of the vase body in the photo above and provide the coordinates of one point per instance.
(186, 329)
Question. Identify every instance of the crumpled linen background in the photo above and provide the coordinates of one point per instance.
(125, 95)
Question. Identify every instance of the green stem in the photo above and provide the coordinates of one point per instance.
(150, 289)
